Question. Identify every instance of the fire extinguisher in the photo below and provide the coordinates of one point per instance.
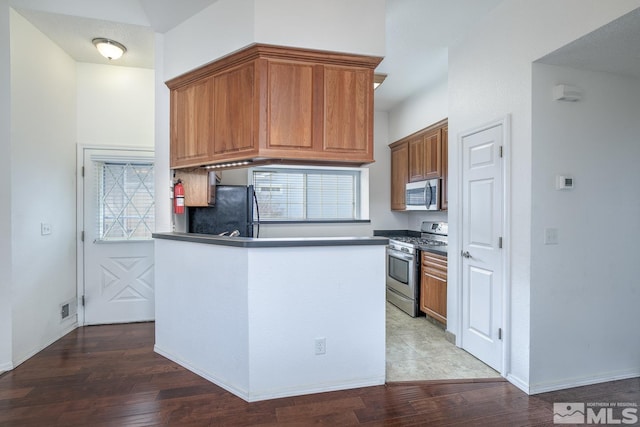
(178, 197)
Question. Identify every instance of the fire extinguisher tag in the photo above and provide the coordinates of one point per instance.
(180, 201)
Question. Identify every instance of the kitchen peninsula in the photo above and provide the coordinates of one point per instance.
(272, 317)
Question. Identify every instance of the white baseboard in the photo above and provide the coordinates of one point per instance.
(4, 367)
(518, 382)
(35, 351)
(250, 396)
(241, 393)
(578, 382)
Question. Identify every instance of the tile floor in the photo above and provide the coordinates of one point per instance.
(418, 350)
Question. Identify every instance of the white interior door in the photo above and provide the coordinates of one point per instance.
(482, 258)
(118, 219)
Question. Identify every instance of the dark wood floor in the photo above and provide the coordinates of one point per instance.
(110, 376)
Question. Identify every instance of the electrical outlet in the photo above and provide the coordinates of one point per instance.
(45, 228)
(321, 346)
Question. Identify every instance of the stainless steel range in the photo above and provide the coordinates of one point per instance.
(403, 263)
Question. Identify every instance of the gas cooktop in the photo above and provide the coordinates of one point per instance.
(417, 241)
(432, 234)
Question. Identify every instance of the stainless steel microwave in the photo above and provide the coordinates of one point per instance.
(423, 195)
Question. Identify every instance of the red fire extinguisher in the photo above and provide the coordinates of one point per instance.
(178, 197)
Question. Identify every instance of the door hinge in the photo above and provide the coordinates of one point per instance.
(82, 236)
(499, 242)
(499, 332)
(501, 153)
(82, 302)
(82, 172)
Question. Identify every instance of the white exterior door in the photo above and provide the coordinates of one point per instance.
(482, 258)
(118, 219)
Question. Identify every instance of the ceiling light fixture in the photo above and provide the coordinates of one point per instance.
(110, 49)
(378, 79)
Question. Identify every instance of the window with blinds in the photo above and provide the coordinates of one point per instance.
(125, 205)
(291, 194)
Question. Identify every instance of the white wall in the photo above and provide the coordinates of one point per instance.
(422, 109)
(115, 105)
(355, 26)
(223, 27)
(490, 77)
(585, 296)
(161, 123)
(5, 191)
(43, 113)
(126, 11)
(250, 325)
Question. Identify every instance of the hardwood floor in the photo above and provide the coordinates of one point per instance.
(110, 376)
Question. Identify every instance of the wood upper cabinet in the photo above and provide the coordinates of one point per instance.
(192, 123)
(348, 111)
(425, 155)
(444, 198)
(424, 160)
(433, 286)
(234, 111)
(433, 154)
(273, 102)
(399, 175)
(290, 105)
(417, 159)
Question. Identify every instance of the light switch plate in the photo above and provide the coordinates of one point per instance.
(550, 236)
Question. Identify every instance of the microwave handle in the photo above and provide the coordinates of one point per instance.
(427, 194)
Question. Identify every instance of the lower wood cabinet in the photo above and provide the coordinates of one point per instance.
(433, 286)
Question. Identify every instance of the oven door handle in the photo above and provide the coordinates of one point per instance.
(400, 255)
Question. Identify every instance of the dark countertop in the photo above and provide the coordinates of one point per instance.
(289, 242)
(440, 250)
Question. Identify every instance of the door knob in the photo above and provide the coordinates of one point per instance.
(466, 254)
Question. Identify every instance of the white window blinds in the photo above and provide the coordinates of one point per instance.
(126, 204)
(307, 194)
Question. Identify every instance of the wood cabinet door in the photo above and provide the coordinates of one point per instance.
(433, 297)
(191, 124)
(399, 176)
(433, 286)
(417, 160)
(348, 112)
(433, 154)
(234, 105)
(444, 190)
(290, 105)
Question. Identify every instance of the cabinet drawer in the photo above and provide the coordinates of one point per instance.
(434, 265)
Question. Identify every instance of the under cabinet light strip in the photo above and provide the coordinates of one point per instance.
(227, 165)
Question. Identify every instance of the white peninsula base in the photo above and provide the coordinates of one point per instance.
(248, 318)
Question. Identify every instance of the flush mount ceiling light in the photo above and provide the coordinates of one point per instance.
(378, 79)
(110, 49)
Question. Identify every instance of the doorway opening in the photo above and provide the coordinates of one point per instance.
(418, 349)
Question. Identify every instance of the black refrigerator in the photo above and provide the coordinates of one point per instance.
(233, 210)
